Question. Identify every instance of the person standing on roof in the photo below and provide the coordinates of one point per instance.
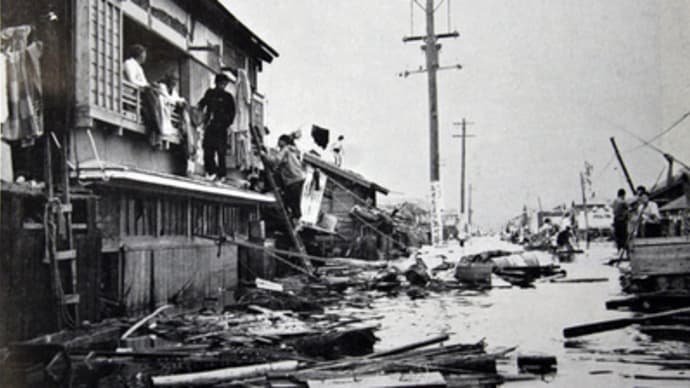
(219, 108)
(287, 163)
(338, 151)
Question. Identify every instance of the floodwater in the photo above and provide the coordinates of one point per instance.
(533, 320)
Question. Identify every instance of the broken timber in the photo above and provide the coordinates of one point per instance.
(220, 375)
(615, 324)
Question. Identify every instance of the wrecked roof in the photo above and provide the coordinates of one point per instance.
(342, 173)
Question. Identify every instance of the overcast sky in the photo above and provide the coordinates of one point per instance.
(545, 82)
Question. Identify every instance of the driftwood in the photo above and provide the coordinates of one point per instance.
(143, 321)
(651, 301)
(580, 280)
(614, 324)
(411, 346)
(395, 380)
(220, 375)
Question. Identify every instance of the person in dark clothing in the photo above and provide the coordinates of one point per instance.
(621, 214)
(219, 109)
(564, 239)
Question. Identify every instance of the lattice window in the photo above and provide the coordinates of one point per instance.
(105, 54)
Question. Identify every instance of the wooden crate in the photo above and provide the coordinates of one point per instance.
(660, 256)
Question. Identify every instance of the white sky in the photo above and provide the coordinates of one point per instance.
(546, 82)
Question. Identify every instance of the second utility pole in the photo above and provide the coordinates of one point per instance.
(463, 160)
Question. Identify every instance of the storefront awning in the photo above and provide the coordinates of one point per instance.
(169, 184)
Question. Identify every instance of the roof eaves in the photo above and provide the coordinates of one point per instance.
(268, 52)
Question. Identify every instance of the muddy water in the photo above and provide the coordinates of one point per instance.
(533, 320)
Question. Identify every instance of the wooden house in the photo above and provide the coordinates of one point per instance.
(344, 189)
(144, 219)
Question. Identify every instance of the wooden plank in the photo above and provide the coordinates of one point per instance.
(70, 299)
(137, 280)
(393, 380)
(659, 241)
(673, 258)
(226, 374)
(66, 255)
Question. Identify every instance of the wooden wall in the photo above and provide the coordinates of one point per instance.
(27, 304)
(339, 202)
(161, 260)
(184, 274)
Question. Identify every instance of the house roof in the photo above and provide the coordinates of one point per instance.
(342, 173)
(234, 30)
(679, 203)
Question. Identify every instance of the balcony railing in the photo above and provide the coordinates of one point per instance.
(131, 110)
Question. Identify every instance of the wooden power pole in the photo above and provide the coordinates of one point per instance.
(463, 160)
(431, 48)
(584, 207)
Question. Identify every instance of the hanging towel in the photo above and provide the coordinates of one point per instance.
(4, 108)
(24, 87)
(243, 95)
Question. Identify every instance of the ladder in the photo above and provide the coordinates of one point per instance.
(257, 140)
(61, 253)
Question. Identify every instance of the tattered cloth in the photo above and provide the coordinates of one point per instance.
(23, 83)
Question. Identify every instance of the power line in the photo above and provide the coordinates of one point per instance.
(664, 132)
(655, 148)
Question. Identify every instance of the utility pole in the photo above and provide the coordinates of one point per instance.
(584, 206)
(469, 206)
(463, 161)
(431, 48)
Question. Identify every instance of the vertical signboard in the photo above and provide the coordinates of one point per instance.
(436, 220)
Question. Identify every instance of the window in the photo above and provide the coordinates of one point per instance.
(105, 19)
